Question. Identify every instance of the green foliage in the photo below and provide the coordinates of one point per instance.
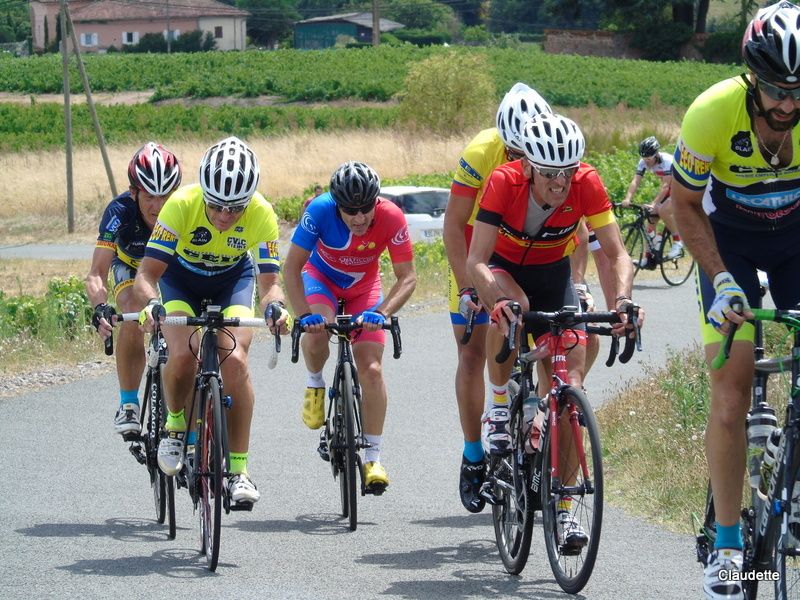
(661, 40)
(418, 14)
(270, 20)
(723, 47)
(476, 34)
(422, 37)
(439, 99)
(192, 41)
(686, 382)
(61, 313)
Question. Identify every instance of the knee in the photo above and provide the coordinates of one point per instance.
(371, 373)
(729, 407)
(472, 358)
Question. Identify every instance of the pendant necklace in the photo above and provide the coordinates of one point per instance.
(774, 160)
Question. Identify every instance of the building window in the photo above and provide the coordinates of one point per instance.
(130, 37)
(174, 34)
(218, 31)
(88, 39)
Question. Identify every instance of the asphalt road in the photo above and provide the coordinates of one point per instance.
(77, 517)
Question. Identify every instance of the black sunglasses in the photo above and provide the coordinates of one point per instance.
(354, 210)
(778, 94)
(221, 208)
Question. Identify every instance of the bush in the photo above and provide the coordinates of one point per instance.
(662, 40)
(723, 47)
(439, 99)
(423, 37)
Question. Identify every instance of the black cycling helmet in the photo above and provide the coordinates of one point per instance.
(355, 184)
(649, 147)
(771, 43)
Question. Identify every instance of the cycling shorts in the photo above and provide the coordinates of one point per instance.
(456, 318)
(123, 275)
(233, 290)
(548, 288)
(320, 290)
(743, 252)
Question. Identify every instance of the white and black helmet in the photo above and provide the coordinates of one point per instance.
(552, 140)
(229, 173)
(771, 43)
(355, 184)
(517, 106)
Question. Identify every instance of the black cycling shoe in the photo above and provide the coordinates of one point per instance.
(472, 477)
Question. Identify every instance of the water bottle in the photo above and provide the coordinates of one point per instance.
(761, 422)
(539, 423)
(767, 464)
(529, 408)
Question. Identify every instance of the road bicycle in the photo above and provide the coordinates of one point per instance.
(639, 244)
(342, 437)
(207, 469)
(771, 539)
(545, 471)
(152, 417)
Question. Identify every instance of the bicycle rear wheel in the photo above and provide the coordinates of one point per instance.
(348, 478)
(578, 491)
(210, 473)
(676, 270)
(787, 551)
(513, 517)
(633, 239)
(163, 486)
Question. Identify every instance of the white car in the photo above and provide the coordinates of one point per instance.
(423, 208)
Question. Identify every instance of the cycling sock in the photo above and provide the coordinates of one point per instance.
(129, 397)
(175, 421)
(473, 451)
(728, 536)
(238, 463)
(500, 395)
(676, 238)
(315, 380)
(564, 504)
(373, 453)
(191, 438)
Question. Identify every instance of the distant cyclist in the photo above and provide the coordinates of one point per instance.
(128, 220)
(659, 164)
(335, 254)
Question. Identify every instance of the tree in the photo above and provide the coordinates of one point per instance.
(469, 11)
(420, 14)
(650, 14)
(271, 20)
(512, 16)
(309, 9)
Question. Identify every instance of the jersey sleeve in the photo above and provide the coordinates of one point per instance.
(306, 234)
(110, 223)
(400, 247)
(641, 168)
(493, 203)
(266, 254)
(163, 242)
(597, 205)
(696, 146)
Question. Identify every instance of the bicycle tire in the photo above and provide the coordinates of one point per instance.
(349, 481)
(149, 424)
(211, 473)
(677, 270)
(786, 564)
(573, 570)
(633, 239)
(513, 517)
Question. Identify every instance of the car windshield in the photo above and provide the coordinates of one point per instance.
(430, 203)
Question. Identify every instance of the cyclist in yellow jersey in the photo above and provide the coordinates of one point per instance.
(736, 196)
(199, 250)
(126, 224)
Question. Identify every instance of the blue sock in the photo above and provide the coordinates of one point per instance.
(728, 537)
(191, 438)
(473, 451)
(129, 397)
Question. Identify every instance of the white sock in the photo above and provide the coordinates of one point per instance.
(315, 380)
(373, 453)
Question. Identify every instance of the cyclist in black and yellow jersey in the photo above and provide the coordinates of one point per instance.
(736, 196)
(200, 250)
(125, 227)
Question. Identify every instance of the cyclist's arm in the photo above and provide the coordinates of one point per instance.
(459, 208)
(663, 191)
(484, 237)
(695, 228)
(634, 185)
(296, 258)
(269, 288)
(96, 289)
(620, 266)
(147, 276)
(579, 259)
(402, 289)
(606, 276)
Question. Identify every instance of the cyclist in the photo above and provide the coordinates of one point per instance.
(317, 191)
(199, 250)
(334, 255)
(659, 164)
(736, 192)
(488, 149)
(125, 227)
(523, 235)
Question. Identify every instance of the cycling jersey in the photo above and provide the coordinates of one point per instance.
(718, 152)
(505, 205)
(184, 234)
(661, 169)
(123, 230)
(346, 260)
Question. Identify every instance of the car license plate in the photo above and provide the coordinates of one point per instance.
(432, 233)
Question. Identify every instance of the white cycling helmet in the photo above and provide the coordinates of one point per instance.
(517, 106)
(229, 173)
(551, 140)
(771, 44)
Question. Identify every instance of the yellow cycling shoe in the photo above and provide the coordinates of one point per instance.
(375, 476)
(314, 407)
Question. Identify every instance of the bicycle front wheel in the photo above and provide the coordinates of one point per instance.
(513, 517)
(572, 505)
(348, 478)
(210, 473)
(787, 552)
(633, 239)
(678, 269)
(163, 486)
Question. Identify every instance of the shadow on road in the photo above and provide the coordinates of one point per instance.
(175, 563)
(312, 524)
(128, 530)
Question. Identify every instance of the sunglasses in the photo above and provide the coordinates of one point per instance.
(552, 172)
(778, 94)
(353, 211)
(234, 210)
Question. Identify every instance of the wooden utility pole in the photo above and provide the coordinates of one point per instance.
(98, 131)
(169, 33)
(67, 118)
(376, 24)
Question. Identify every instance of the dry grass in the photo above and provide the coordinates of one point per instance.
(20, 276)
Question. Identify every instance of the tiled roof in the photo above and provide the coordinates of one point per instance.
(124, 10)
(359, 18)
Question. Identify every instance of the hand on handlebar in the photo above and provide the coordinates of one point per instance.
(727, 291)
(102, 319)
(502, 314)
(151, 313)
(312, 322)
(278, 318)
(468, 302)
(626, 309)
(371, 320)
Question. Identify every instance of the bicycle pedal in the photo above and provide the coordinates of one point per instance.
(237, 506)
(132, 436)
(570, 550)
(322, 450)
(138, 453)
(376, 489)
(487, 493)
